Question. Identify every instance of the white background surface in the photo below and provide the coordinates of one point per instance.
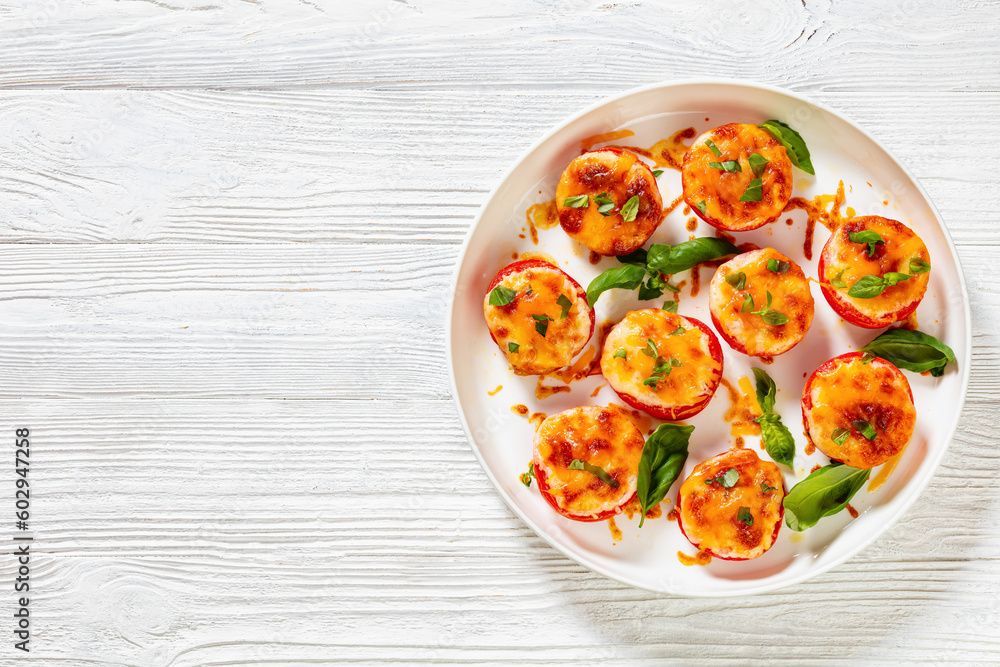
(228, 234)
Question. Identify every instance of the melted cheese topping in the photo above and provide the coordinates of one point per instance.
(749, 333)
(844, 390)
(720, 190)
(695, 379)
(709, 513)
(603, 437)
(513, 323)
(622, 175)
(842, 255)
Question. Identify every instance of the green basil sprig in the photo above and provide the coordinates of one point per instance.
(823, 493)
(776, 437)
(869, 287)
(912, 350)
(868, 237)
(605, 204)
(798, 153)
(597, 471)
(662, 460)
(772, 317)
(660, 258)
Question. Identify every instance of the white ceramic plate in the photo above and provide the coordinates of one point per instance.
(502, 440)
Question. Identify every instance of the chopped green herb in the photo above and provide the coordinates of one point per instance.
(738, 279)
(620, 352)
(918, 265)
(513, 347)
(744, 516)
(866, 358)
(865, 429)
(579, 201)
(501, 296)
(630, 209)
(778, 266)
(772, 317)
(526, 477)
(747, 303)
(731, 166)
(868, 237)
(838, 280)
(700, 206)
(757, 164)
(657, 172)
(670, 306)
(678, 331)
(715, 149)
(597, 471)
(566, 305)
(765, 488)
(542, 324)
(605, 204)
(727, 480)
(754, 191)
(839, 436)
(650, 349)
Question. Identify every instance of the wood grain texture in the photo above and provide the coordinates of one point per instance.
(224, 269)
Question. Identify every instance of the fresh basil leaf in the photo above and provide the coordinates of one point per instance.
(501, 296)
(774, 318)
(630, 209)
(747, 303)
(765, 389)
(700, 206)
(650, 349)
(542, 324)
(838, 281)
(727, 480)
(865, 429)
(823, 493)
(620, 277)
(757, 164)
(678, 331)
(754, 191)
(637, 257)
(868, 237)
(731, 166)
(798, 153)
(579, 201)
(738, 279)
(918, 266)
(566, 305)
(513, 347)
(541, 318)
(778, 266)
(744, 516)
(657, 172)
(715, 149)
(867, 287)
(891, 278)
(683, 256)
(652, 288)
(767, 488)
(912, 350)
(777, 439)
(670, 306)
(839, 436)
(526, 477)
(662, 460)
(620, 352)
(597, 471)
(866, 358)
(605, 204)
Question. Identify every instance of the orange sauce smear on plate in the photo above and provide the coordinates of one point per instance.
(883, 474)
(816, 211)
(743, 408)
(495, 391)
(667, 152)
(616, 532)
(700, 558)
(541, 216)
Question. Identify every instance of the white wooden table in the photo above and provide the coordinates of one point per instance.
(228, 229)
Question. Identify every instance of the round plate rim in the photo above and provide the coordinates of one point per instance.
(920, 483)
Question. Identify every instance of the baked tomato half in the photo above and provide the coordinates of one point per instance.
(662, 363)
(858, 409)
(609, 201)
(538, 316)
(761, 303)
(586, 462)
(874, 271)
(731, 505)
(737, 177)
